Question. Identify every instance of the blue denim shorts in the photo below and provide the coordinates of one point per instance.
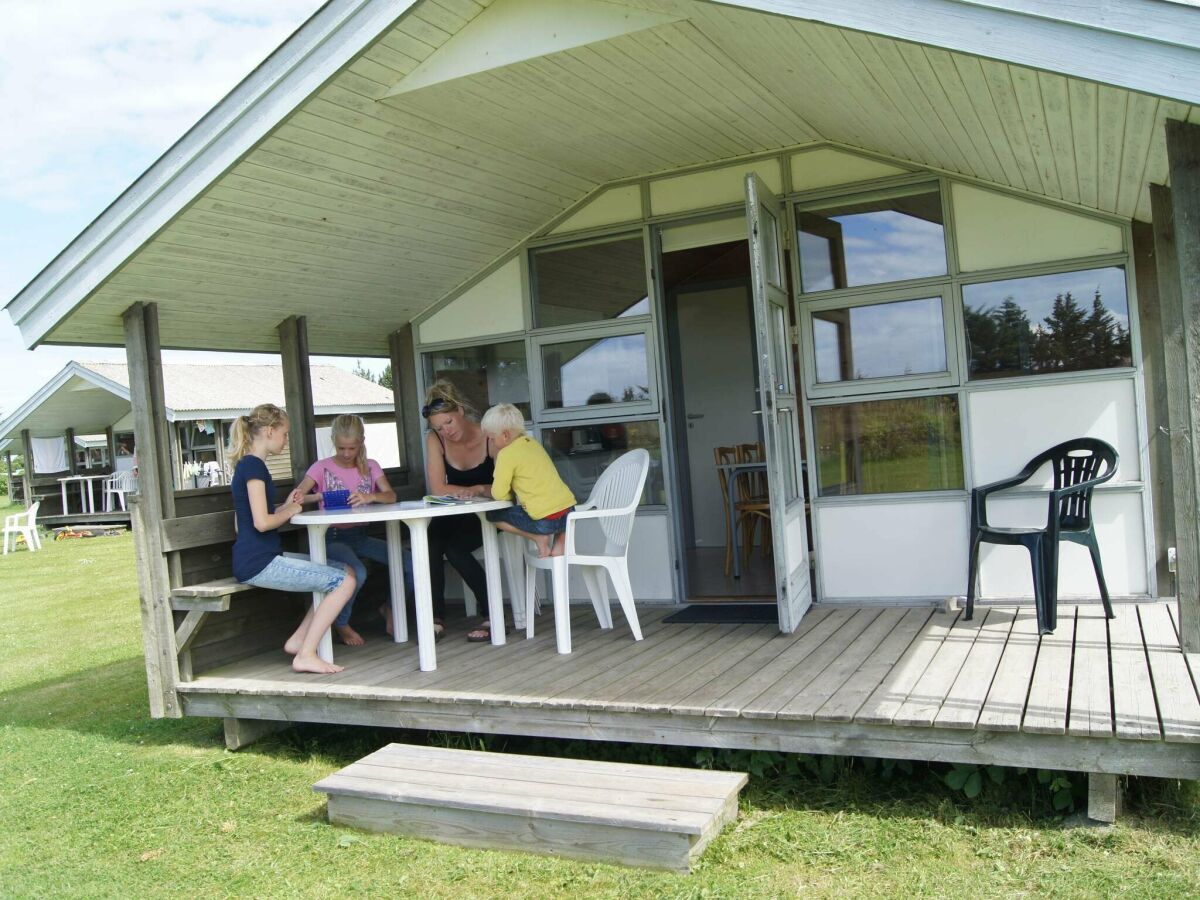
(519, 519)
(296, 572)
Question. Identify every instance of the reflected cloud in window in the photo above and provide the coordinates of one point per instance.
(879, 341)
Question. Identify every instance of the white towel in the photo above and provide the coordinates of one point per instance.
(50, 455)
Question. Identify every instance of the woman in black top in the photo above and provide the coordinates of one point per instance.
(458, 461)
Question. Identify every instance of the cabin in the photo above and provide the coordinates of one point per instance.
(87, 406)
(904, 246)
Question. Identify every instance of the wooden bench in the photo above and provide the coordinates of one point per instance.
(198, 600)
(611, 812)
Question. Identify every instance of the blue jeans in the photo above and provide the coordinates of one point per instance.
(299, 574)
(519, 519)
(351, 546)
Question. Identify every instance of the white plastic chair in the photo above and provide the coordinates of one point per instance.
(613, 504)
(118, 485)
(25, 525)
(212, 470)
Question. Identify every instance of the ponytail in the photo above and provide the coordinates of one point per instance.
(245, 428)
(350, 428)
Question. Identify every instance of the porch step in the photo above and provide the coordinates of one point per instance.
(608, 812)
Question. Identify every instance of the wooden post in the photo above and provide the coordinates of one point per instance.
(1183, 158)
(155, 501)
(1104, 798)
(1159, 479)
(110, 442)
(297, 392)
(407, 402)
(27, 475)
(241, 733)
(72, 465)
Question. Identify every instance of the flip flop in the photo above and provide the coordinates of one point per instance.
(480, 635)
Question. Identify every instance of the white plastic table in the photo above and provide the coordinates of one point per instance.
(416, 514)
(87, 501)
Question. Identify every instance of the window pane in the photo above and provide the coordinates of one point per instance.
(1048, 323)
(486, 375)
(582, 452)
(871, 240)
(589, 283)
(597, 371)
(889, 446)
(880, 341)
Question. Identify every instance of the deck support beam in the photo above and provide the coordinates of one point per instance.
(154, 502)
(27, 475)
(1176, 215)
(297, 392)
(407, 401)
(110, 444)
(241, 733)
(72, 465)
(1104, 797)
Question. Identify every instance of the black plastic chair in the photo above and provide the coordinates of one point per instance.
(1079, 465)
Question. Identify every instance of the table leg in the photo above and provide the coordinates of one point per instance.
(91, 500)
(418, 530)
(316, 552)
(63, 486)
(491, 568)
(396, 580)
(730, 506)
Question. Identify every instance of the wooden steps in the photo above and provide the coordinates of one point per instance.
(609, 812)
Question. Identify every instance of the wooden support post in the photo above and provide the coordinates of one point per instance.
(72, 465)
(110, 443)
(27, 475)
(1183, 158)
(1159, 479)
(297, 392)
(240, 733)
(407, 402)
(154, 502)
(1104, 797)
(8, 470)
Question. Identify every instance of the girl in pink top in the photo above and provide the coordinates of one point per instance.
(348, 469)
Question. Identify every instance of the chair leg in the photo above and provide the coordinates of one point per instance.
(562, 604)
(1051, 574)
(1037, 559)
(620, 576)
(972, 577)
(530, 582)
(1094, 549)
(470, 606)
(595, 581)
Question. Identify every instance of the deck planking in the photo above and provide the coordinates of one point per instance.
(906, 668)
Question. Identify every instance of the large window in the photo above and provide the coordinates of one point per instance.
(198, 441)
(596, 371)
(581, 452)
(589, 282)
(874, 238)
(880, 340)
(485, 375)
(889, 446)
(1065, 322)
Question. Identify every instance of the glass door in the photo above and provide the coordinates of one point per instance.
(777, 403)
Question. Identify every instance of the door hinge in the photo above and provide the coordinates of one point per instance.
(794, 331)
(787, 239)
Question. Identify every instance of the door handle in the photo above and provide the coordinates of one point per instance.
(695, 415)
(756, 412)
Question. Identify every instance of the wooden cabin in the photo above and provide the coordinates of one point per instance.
(972, 227)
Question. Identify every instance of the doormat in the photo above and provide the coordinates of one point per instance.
(727, 613)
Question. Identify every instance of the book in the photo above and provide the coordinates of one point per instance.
(445, 500)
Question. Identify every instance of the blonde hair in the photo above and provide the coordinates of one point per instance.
(446, 396)
(503, 417)
(350, 428)
(246, 428)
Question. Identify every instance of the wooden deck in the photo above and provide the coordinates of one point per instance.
(1115, 697)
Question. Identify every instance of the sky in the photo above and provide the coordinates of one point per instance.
(92, 92)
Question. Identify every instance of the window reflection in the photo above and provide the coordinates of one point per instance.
(596, 372)
(589, 283)
(872, 239)
(581, 452)
(883, 340)
(1065, 322)
(889, 446)
(485, 375)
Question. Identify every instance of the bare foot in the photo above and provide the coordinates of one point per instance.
(316, 665)
(388, 626)
(544, 545)
(560, 544)
(349, 636)
(293, 644)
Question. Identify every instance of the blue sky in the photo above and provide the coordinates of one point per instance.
(91, 93)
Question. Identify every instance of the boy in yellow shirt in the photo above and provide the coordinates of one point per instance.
(523, 467)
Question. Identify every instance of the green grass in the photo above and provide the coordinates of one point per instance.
(98, 800)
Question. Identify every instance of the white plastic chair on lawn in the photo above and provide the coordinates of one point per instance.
(120, 484)
(23, 525)
(613, 504)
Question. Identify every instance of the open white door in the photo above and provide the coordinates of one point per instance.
(777, 393)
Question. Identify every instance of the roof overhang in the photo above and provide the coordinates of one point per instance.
(321, 187)
(76, 398)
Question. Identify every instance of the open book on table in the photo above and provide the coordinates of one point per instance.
(447, 500)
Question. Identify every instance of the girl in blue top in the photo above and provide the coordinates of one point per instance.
(258, 556)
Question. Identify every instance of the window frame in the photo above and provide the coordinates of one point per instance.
(532, 250)
(511, 337)
(617, 410)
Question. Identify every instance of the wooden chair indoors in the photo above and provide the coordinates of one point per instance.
(753, 505)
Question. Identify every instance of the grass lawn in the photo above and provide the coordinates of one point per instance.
(98, 800)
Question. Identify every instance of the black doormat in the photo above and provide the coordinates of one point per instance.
(728, 613)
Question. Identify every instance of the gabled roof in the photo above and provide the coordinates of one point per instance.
(90, 397)
(373, 164)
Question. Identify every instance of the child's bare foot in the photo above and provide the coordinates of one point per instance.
(388, 626)
(544, 544)
(293, 644)
(316, 665)
(349, 636)
(560, 544)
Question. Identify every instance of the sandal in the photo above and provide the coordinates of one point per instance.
(482, 634)
(439, 629)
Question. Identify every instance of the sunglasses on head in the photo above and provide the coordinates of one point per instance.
(434, 406)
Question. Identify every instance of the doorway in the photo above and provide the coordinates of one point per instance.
(714, 383)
